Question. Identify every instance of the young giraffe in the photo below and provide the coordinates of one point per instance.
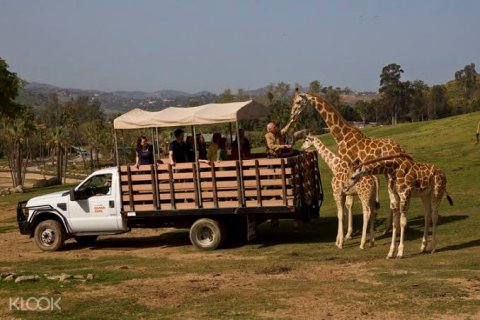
(353, 146)
(366, 189)
(411, 179)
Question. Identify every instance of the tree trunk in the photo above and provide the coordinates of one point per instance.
(65, 170)
(19, 155)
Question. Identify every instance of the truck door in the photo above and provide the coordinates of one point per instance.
(94, 207)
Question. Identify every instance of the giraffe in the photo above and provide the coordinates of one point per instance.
(353, 146)
(412, 179)
(366, 189)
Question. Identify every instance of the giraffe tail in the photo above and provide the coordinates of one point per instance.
(450, 201)
(377, 201)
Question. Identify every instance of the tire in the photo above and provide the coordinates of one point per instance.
(86, 240)
(207, 234)
(49, 235)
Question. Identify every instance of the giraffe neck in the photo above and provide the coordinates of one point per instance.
(330, 158)
(390, 159)
(339, 127)
(386, 165)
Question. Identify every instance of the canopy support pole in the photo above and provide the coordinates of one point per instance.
(197, 168)
(242, 187)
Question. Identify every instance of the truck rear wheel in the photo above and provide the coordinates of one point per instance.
(49, 235)
(207, 234)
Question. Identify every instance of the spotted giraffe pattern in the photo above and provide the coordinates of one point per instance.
(411, 179)
(353, 146)
(366, 189)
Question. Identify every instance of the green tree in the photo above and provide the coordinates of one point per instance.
(9, 86)
(17, 130)
(437, 103)
(59, 141)
(418, 101)
(467, 79)
(392, 89)
(226, 96)
(314, 87)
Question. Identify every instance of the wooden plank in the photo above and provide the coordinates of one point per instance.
(195, 185)
(136, 177)
(176, 176)
(177, 186)
(263, 162)
(137, 188)
(130, 191)
(247, 183)
(139, 207)
(248, 193)
(284, 183)
(172, 191)
(154, 188)
(240, 185)
(214, 185)
(258, 182)
(246, 173)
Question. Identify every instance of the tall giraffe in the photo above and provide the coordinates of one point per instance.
(411, 179)
(366, 189)
(353, 146)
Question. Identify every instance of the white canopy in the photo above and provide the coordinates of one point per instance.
(205, 114)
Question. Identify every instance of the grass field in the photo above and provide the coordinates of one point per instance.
(286, 273)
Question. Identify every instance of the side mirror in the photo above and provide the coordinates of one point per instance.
(72, 195)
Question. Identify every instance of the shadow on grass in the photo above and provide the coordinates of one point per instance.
(460, 246)
(177, 238)
(323, 231)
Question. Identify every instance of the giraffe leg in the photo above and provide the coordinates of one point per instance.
(373, 217)
(394, 204)
(348, 206)
(426, 215)
(340, 213)
(366, 218)
(395, 222)
(404, 204)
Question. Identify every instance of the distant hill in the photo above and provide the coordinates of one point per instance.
(36, 95)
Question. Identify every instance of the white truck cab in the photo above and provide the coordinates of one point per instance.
(90, 209)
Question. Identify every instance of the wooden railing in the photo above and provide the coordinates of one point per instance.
(224, 184)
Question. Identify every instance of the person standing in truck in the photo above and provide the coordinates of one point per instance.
(144, 152)
(177, 150)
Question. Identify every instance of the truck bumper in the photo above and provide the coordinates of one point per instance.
(23, 224)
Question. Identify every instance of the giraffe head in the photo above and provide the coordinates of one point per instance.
(308, 142)
(357, 174)
(299, 103)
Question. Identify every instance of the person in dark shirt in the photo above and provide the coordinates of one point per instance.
(144, 152)
(201, 147)
(177, 150)
(245, 147)
(190, 145)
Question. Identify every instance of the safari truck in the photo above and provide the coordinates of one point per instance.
(214, 200)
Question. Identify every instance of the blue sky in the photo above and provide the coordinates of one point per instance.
(213, 45)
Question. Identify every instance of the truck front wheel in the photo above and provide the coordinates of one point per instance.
(49, 235)
(207, 234)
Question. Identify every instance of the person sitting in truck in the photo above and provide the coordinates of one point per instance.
(144, 152)
(190, 152)
(177, 150)
(245, 147)
(274, 143)
(213, 148)
(222, 154)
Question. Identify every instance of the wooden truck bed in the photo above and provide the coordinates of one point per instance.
(284, 182)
